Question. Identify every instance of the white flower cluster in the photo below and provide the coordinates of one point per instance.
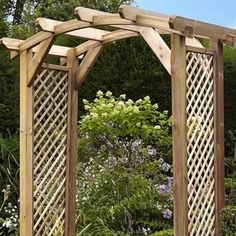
(11, 222)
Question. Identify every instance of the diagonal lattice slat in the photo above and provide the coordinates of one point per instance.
(50, 148)
(200, 144)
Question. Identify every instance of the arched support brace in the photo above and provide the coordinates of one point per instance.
(87, 64)
(37, 59)
(158, 46)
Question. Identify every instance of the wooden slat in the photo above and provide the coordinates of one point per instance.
(70, 25)
(13, 45)
(72, 64)
(158, 46)
(26, 149)
(86, 14)
(34, 40)
(89, 15)
(153, 21)
(194, 27)
(38, 58)
(113, 19)
(84, 47)
(54, 67)
(200, 50)
(178, 72)
(219, 129)
(130, 13)
(87, 64)
(117, 35)
(89, 33)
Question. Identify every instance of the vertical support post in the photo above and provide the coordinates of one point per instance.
(72, 64)
(217, 46)
(26, 148)
(178, 72)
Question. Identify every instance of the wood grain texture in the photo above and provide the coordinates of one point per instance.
(194, 27)
(72, 64)
(87, 64)
(37, 59)
(26, 149)
(217, 46)
(158, 46)
(178, 72)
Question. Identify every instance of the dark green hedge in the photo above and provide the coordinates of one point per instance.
(228, 221)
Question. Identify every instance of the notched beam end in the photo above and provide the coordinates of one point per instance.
(171, 21)
(11, 44)
(121, 10)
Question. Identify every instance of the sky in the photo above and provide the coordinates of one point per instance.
(220, 12)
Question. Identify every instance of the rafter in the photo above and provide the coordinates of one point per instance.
(13, 46)
(34, 40)
(113, 19)
(70, 26)
(130, 13)
(100, 17)
(117, 35)
(89, 33)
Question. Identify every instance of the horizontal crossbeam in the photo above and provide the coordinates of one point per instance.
(194, 27)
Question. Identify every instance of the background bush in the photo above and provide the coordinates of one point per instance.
(124, 180)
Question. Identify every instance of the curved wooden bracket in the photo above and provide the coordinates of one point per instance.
(87, 64)
(158, 46)
(37, 59)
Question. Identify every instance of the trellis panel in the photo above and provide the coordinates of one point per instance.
(50, 151)
(200, 143)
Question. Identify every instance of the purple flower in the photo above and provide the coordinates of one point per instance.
(165, 167)
(162, 189)
(151, 150)
(111, 162)
(167, 214)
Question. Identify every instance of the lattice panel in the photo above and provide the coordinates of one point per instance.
(50, 147)
(200, 144)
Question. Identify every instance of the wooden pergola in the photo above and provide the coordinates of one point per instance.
(48, 114)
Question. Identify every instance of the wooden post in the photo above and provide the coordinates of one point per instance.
(178, 72)
(72, 64)
(26, 148)
(217, 46)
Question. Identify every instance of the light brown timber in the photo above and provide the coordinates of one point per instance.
(217, 46)
(130, 13)
(194, 27)
(89, 33)
(26, 148)
(158, 46)
(34, 40)
(72, 64)
(37, 59)
(178, 74)
(87, 64)
(113, 19)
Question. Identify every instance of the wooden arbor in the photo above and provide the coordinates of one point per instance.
(48, 103)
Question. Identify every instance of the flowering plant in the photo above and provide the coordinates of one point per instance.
(124, 180)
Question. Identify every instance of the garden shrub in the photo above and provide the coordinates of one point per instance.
(9, 182)
(169, 232)
(125, 176)
(228, 221)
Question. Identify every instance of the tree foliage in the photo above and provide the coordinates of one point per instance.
(124, 181)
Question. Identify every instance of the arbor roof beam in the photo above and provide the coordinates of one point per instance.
(193, 27)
